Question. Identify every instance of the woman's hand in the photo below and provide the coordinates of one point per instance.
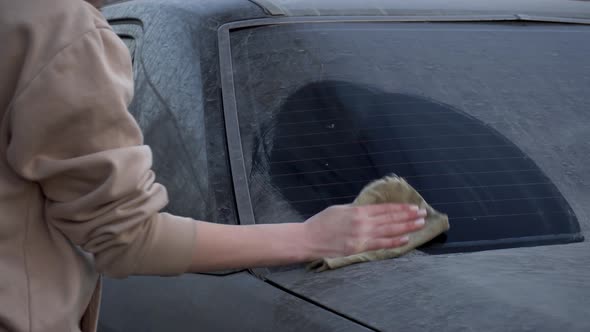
(337, 231)
(342, 230)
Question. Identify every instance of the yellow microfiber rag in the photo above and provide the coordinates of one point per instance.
(390, 189)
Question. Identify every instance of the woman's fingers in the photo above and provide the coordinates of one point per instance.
(381, 209)
(385, 243)
(390, 227)
(397, 217)
(345, 229)
(388, 230)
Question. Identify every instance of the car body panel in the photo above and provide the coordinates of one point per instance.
(546, 8)
(177, 102)
(237, 302)
(520, 289)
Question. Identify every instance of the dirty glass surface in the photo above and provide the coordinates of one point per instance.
(324, 108)
(130, 43)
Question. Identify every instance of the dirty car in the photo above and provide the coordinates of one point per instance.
(268, 111)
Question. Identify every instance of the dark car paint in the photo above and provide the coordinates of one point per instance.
(177, 100)
(177, 74)
(521, 289)
(238, 302)
(567, 9)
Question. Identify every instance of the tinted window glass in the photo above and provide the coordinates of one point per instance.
(130, 43)
(130, 33)
(326, 108)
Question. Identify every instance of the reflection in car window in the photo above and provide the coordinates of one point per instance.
(310, 142)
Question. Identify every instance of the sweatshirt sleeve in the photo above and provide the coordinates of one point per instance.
(71, 133)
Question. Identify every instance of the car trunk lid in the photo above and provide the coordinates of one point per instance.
(539, 288)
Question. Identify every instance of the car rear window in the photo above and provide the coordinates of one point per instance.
(324, 108)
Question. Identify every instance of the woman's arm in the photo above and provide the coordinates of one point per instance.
(336, 231)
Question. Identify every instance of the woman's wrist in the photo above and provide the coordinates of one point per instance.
(292, 241)
(304, 249)
(223, 246)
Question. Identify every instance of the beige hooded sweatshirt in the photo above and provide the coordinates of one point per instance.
(77, 196)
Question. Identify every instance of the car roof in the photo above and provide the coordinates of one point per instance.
(572, 9)
(550, 8)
